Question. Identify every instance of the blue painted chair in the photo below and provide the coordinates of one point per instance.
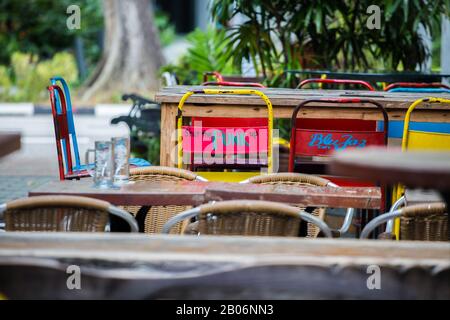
(396, 127)
(417, 87)
(77, 167)
(421, 90)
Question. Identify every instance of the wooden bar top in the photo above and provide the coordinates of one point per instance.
(196, 193)
(292, 97)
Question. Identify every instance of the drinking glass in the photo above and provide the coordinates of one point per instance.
(121, 155)
(103, 164)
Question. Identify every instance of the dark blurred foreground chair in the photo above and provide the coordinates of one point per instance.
(425, 222)
(61, 214)
(248, 218)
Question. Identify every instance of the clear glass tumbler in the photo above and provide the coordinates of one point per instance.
(102, 172)
(121, 155)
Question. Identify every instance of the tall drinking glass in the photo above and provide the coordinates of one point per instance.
(103, 165)
(121, 155)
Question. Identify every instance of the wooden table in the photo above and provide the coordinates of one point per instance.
(284, 100)
(148, 193)
(118, 266)
(9, 142)
(412, 168)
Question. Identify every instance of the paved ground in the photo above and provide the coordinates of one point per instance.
(36, 162)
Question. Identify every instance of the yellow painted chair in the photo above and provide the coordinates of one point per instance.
(420, 140)
(236, 175)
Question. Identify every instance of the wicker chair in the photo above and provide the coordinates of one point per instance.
(61, 213)
(153, 218)
(299, 179)
(248, 218)
(425, 222)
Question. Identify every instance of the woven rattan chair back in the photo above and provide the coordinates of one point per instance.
(296, 179)
(157, 216)
(425, 222)
(62, 213)
(249, 218)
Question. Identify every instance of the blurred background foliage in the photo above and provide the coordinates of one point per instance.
(331, 35)
(38, 46)
(45, 34)
(278, 35)
(270, 35)
(31, 75)
(208, 50)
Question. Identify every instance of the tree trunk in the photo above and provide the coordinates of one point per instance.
(132, 54)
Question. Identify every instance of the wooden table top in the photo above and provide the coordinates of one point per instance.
(391, 166)
(9, 142)
(126, 266)
(292, 97)
(196, 193)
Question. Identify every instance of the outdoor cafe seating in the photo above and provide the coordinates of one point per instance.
(244, 200)
(425, 222)
(61, 214)
(248, 218)
(300, 179)
(152, 218)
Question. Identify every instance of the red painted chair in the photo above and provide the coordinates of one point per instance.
(233, 84)
(336, 81)
(320, 138)
(62, 136)
(221, 82)
(215, 74)
(336, 124)
(224, 123)
(226, 149)
(315, 140)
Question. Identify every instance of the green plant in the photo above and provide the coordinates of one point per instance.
(30, 77)
(208, 51)
(153, 150)
(286, 34)
(39, 27)
(5, 83)
(166, 29)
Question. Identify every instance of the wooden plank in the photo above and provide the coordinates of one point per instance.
(175, 267)
(248, 106)
(150, 247)
(321, 112)
(365, 198)
(195, 193)
(168, 134)
(292, 97)
(138, 193)
(9, 142)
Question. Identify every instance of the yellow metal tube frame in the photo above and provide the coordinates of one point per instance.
(229, 91)
(399, 189)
